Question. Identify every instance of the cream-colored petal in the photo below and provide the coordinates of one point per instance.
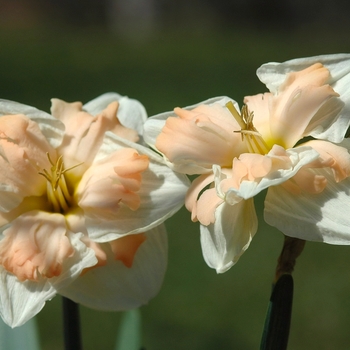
(322, 217)
(224, 241)
(124, 288)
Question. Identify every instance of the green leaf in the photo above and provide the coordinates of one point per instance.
(129, 335)
(24, 337)
(279, 313)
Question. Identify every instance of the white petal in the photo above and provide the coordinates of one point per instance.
(52, 128)
(20, 301)
(162, 194)
(131, 113)
(227, 239)
(322, 217)
(273, 75)
(115, 287)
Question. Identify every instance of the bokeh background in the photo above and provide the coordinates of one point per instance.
(176, 53)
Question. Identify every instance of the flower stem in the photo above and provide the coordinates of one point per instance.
(279, 313)
(71, 325)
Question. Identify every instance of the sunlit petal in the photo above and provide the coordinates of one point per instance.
(224, 241)
(322, 217)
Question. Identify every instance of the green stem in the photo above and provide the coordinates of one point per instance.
(279, 313)
(71, 325)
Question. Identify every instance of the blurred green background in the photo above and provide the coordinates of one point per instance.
(175, 56)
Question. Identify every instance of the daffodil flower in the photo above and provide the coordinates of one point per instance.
(81, 206)
(289, 140)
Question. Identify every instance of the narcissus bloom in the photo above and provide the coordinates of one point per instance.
(81, 207)
(289, 140)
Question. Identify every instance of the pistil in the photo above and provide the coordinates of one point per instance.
(250, 135)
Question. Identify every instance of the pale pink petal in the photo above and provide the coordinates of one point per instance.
(84, 132)
(298, 100)
(258, 172)
(23, 154)
(306, 180)
(333, 156)
(202, 137)
(35, 245)
(124, 287)
(111, 182)
(333, 120)
(206, 206)
(196, 187)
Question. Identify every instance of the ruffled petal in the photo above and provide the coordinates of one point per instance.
(116, 287)
(322, 217)
(23, 154)
(112, 182)
(84, 133)
(194, 138)
(131, 113)
(162, 193)
(297, 102)
(332, 156)
(224, 241)
(332, 128)
(21, 300)
(252, 173)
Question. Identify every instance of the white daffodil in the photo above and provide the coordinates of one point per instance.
(81, 206)
(239, 154)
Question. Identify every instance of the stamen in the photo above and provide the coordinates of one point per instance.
(57, 189)
(253, 139)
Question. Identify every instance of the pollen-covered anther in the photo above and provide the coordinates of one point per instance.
(250, 135)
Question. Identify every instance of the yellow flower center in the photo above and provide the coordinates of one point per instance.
(57, 190)
(250, 135)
